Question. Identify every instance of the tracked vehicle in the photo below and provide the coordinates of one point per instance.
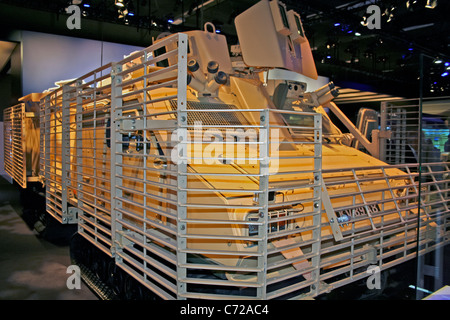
(195, 174)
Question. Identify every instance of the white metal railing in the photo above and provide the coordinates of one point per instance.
(400, 122)
(14, 144)
(51, 106)
(88, 102)
(377, 211)
(143, 186)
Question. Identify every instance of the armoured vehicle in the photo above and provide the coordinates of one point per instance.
(193, 173)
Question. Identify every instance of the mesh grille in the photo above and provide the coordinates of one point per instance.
(212, 118)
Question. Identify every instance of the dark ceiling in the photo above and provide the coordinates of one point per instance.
(385, 60)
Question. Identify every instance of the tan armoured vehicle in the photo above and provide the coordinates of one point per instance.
(193, 173)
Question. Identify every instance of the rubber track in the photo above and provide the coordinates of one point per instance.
(98, 287)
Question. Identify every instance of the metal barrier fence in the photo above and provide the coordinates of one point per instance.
(21, 144)
(143, 186)
(386, 215)
(15, 155)
(401, 120)
(53, 148)
(88, 100)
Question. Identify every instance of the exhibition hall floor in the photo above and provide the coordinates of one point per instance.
(31, 268)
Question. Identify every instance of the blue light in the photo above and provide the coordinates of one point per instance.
(444, 74)
(350, 31)
(337, 24)
(328, 57)
(87, 5)
(131, 14)
(447, 64)
(170, 21)
(410, 49)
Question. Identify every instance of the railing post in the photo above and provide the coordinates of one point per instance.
(182, 134)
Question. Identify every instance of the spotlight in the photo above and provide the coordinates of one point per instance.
(431, 4)
(413, 5)
(364, 21)
(130, 8)
(330, 44)
(389, 13)
(410, 3)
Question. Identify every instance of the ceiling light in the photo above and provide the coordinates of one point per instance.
(431, 4)
(389, 13)
(119, 3)
(130, 8)
(410, 3)
(414, 5)
(364, 21)
(437, 61)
